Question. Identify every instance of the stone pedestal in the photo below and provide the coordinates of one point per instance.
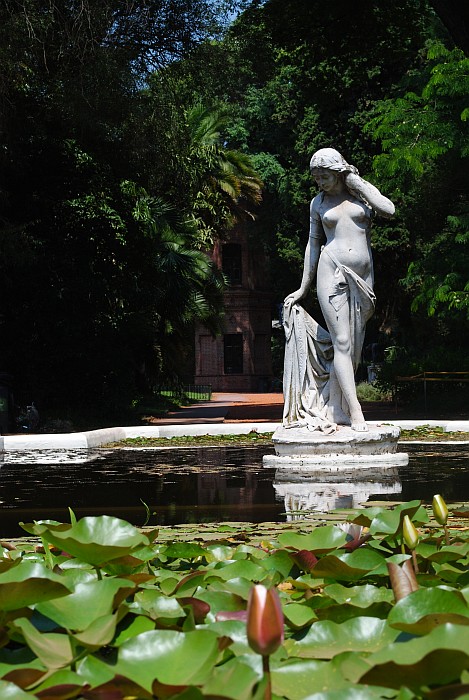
(342, 449)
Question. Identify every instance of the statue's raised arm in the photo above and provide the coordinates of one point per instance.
(369, 193)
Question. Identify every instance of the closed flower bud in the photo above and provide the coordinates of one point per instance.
(403, 579)
(440, 509)
(264, 620)
(410, 533)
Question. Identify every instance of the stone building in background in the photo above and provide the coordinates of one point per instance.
(240, 359)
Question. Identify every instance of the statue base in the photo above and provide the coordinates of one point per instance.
(342, 449)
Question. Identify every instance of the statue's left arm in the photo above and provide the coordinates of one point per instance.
(371, 194)
(312, 252)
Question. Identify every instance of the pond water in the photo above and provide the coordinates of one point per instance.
(190, 485)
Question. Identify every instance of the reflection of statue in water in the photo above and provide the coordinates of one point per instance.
(310, 491)
(319, 378)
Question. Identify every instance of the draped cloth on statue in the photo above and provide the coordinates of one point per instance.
(309, 351)
(308, 357)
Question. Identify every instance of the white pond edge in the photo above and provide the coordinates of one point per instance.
(97, 438)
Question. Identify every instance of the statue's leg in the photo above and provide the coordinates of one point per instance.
(338, 323)
(336, 412)
(343, 369)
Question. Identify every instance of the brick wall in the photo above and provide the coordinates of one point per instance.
(247, 314)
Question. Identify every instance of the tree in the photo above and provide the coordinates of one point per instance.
(455, 17)
(426, 142)
(297, 78)
(225, 186)
(100, 282)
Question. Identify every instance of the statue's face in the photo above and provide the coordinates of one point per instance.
(326, 180)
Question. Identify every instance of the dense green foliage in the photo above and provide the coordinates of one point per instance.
(362, 77)
(110, 189)
(297, 78)
(134, 134)
(426, 138)
(105, 611)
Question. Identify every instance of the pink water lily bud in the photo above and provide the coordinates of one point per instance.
(403, 579)
(265, 620)
(440, 509)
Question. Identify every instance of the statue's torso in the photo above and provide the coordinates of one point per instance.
(346, 225)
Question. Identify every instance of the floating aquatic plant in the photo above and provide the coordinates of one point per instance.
(103, 610)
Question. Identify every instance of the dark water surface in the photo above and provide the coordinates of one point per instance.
(187, 485)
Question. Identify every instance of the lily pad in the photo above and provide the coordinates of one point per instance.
(299, 615)
(360, 596)
(92, 539)
(172, 658)
(322, 539)
(218, 552)
(448, 553)
(54, 650)
(235, 680)
(94, 671)
(326, 639)
(427, 608)
(388, 522)
(295, 679)
(10, 691)
(184, 550)
(437, 658)
(238, 569)
(65, 679)
(138, 625)
(348, 567)
(158, 606)
(88, 602)
(363, 692)
(100, 632)
(29, 583)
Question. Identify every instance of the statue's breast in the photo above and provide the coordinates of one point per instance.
(354, 211)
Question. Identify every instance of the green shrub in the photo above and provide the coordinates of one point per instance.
(371, 392)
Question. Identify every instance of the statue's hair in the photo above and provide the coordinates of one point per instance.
(331, 159)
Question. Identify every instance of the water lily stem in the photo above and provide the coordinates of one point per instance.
(414, 561)
(446, 535)
(266, 670)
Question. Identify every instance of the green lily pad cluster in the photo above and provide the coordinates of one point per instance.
(252, 438)
(433, 433)
(103, 611)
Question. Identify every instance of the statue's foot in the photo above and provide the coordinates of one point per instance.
(337, 415)
(358, 422)
(360, 427)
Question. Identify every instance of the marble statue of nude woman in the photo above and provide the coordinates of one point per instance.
(320, 365)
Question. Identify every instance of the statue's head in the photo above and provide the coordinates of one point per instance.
(330, 159)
